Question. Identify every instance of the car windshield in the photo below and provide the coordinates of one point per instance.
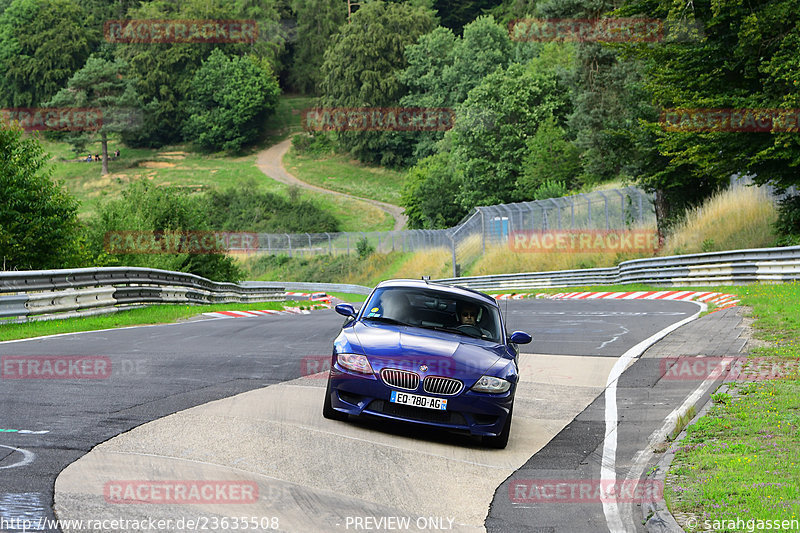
(432, 309)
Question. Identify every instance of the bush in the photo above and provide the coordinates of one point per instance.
(315, 144)
(245, 208)
(428, 194)
(230, 99)
(788, 224)
(144, 209)
(550, 189)
(38, 218)
(364, 248)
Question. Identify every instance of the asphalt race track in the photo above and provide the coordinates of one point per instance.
(266, 430)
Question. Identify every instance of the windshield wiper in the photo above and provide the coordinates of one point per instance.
(454, 330)
(386, 319)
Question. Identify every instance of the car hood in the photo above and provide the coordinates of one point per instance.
(444, 353)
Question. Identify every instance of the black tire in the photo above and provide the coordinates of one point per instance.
(327, 409)
(501, 440)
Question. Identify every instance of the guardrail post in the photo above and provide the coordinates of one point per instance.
(622, 208)
(453, 247)
(289, 238)
(572, 213)
(483, 232)
(605, 203)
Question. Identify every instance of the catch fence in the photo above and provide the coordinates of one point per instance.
(614, 209)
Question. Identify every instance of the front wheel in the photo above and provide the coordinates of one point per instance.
(501, 440)
(327, 409)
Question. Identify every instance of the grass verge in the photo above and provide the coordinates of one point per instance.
(176, 166)
(740, 461)
(341, 173)
(155, 314)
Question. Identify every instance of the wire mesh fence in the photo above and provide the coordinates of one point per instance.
(484, 226)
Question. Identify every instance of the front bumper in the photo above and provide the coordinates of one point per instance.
(470, 412)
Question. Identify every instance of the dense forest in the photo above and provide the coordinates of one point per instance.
(537, 115)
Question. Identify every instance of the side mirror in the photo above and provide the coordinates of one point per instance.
(520, 337)
(346, 310)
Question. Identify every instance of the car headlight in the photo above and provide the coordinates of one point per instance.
(491, 384)
(354, 362)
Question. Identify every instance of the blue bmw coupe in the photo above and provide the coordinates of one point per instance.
(430, 354)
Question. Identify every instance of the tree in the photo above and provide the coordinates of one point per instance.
(550, 158)
(443, 68)
(361, 68)
(490, 138)
(42, 43)
(104, 85)
(165, 70)
(144, 209)
(317, 22)
(428, 194)
(455, 14)
(38, 218)
(745, 57)
(230, 98)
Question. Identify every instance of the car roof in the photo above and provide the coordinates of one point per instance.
(449, 289)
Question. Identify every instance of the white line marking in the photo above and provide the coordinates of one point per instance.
(635, 295)
(27, 457)
(608, 463)
(643, 456)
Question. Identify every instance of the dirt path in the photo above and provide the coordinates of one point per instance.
(270, 162)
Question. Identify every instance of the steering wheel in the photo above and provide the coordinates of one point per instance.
(469, 329)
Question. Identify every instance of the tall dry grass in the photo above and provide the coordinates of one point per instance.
(734, 219)
(502, 259)
(434, 262)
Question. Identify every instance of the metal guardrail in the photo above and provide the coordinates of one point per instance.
(311, 287)
(770, 265)
(48, 294)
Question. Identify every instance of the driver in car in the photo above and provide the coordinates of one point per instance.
(468, 318)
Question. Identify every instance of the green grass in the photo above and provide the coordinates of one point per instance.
(181, 167)
(177, 166)
(341, 173)
(741, 459)
(155, 314)
(286, 119)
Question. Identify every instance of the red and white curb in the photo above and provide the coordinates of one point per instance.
(311, 296)
(719, 299)
(268, 312)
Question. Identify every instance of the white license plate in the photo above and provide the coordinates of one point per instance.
(418, 401)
